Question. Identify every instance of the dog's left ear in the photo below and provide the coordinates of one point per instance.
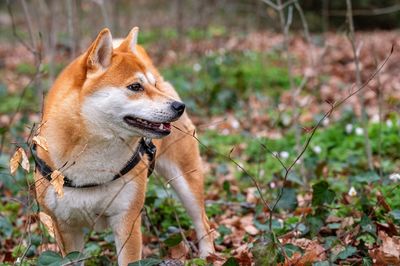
(100, 52)
(129, 43)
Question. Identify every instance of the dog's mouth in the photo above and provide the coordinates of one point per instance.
(163, 128)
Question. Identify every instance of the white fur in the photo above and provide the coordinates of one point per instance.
(141, 77)
(151, 78)
(117, 42)
(175, 177)
(96, 162)
(81, 207)
(134, 33)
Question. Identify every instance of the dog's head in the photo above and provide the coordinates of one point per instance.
(121, 94)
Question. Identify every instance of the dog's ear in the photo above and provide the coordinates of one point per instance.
(100, 52)
(129, 43)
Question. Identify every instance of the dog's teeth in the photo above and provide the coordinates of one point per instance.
(161, 126)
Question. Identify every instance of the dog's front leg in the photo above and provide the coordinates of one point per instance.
(128, 237)
(69, 238)
(126, 223)
(186, 178)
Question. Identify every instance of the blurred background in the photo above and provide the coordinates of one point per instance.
(257, 76)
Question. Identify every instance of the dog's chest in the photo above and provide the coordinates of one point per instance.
(84, 206)
(93, 164)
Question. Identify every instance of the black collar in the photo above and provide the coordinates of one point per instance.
(145, 146)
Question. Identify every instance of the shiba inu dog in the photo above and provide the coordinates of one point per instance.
(98, 118)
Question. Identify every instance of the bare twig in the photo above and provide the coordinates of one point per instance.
(364, 117)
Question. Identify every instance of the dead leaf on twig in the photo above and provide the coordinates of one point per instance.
(57, 180)
(48, 223)
(15, 160)
(25, 161)
(41, 141)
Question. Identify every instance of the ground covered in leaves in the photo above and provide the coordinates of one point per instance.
(333, 210)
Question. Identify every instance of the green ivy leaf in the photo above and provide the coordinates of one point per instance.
(231, 262)
(173, 240)
(367, 261)
(314, 223)
(290, 249)
(395, 214)
(72, 257)
(321, 263)
(288, 200)
(146, 262)
(368, 177)
(347, 252)
(322, 194)
(49, 258)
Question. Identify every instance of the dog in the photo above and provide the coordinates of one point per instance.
(99, 117)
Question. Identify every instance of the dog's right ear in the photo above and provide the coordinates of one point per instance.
(129, 43)
(100, 52)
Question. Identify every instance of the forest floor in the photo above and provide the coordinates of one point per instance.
(334, 209)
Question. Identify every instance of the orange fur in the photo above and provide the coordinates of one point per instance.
(70, 139)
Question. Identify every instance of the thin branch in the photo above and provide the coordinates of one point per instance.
(364, 116)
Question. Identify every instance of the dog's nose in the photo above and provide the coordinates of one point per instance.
(178, 107)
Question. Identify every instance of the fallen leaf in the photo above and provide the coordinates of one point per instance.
(48, 223)
(389, 251)
(251, 230)
(41, 141)
(57, 180)
(179, 251)
(25, 161)
(244, 258)
(15, 160)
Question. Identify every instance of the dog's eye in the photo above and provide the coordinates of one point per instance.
(135, 87)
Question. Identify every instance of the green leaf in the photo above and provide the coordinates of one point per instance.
(367, 177)
(322, 194)
(314, 223)
(72, 257)
(6, 227)
(321, 263)
(288, 200)
(231, 262)
(290, 249)
(334, 226)
(367, 225)
(173, 240)
(395, 214)
(197, 262)
(295, 178)
(367, 261)
(146, 262)
(347, 252)
(49, 258)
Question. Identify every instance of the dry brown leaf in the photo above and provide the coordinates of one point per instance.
(41, 141)
(15, 160)
(25, 161)
(251, 230)
(48, 223)
(244, 258)
(57, 180)
(179, 252)
(389, 251)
